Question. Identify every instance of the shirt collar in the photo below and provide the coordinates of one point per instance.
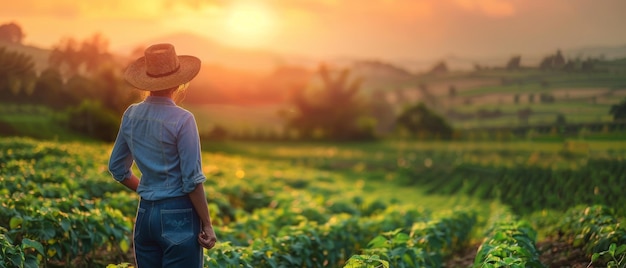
(159, 100)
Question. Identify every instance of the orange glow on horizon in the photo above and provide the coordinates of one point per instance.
(330, 28)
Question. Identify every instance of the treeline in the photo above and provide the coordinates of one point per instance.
(83, 82)
(57, 88)
(554, 61)
(91, 100)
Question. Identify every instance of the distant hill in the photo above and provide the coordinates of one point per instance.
(40, 56)
(214, 53)
(608, 52)
(461, 62)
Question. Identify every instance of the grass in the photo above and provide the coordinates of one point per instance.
(375, 157)
(236, 118)
(512, 120)
(574, 78)
(37, 122)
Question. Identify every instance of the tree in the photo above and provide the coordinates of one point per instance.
(556, 61)
(112, 91)
(94, 51)
(50, 90)
(92, 73)
(546, 63)
(382, 111)
(420, 120)
(17, 75)
(516, 98)
(73, 57)
(619, 111)
(514, 63)
(439, 68)
(83, 88)
(332, 111)
(11, 32)
(559, 60)
(588, 65)
(66, 57)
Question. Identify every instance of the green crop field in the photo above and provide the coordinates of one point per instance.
(387, 204)
(579, 97)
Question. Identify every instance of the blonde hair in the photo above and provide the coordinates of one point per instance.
(180, 93)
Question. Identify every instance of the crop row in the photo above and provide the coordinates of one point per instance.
(531, 188)
(328, 245)
(509, 243)
(524, 179)
(593, 228)
(425, 245)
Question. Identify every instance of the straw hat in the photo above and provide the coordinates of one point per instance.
(160, 68)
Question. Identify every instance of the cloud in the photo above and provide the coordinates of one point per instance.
(491, 8)
(389, 9)
(110, 9)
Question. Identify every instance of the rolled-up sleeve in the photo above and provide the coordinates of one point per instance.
(121, 158)
(190, 156)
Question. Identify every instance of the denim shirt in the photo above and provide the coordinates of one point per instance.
(162, 138)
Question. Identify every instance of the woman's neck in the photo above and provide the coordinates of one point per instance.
(163, 93)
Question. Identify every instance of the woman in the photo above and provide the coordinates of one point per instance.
(162, 139)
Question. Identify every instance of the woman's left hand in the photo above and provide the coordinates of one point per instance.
(207, 237)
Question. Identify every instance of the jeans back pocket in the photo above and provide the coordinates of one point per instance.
(177, 224)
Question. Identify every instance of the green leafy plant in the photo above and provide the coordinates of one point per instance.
(425, 245)
(120, 265)
(366, 261)
(615, 255)
(20, 255)
(593, 228)
(509, 243)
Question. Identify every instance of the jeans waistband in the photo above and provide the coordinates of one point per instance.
(160, 201)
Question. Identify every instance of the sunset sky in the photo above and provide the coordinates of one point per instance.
(366, 28)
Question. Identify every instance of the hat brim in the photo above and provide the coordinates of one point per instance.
(137, 76)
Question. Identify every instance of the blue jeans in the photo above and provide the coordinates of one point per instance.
(166, 234)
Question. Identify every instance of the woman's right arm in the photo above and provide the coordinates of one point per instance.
(192, 176)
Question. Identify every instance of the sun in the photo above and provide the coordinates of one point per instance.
(249, 24)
